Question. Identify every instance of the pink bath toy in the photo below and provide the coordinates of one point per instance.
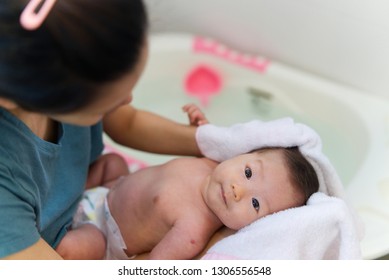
(203, 81)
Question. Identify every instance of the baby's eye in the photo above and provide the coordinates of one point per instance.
(255, 204)
(248, 173)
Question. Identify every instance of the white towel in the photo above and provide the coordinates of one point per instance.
(323, 229)
(315, 221)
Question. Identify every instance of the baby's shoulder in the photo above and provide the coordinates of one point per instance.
(193, 163)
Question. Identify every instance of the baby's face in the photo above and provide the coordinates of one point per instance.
(248, 187)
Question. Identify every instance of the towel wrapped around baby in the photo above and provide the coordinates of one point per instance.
(327, 227)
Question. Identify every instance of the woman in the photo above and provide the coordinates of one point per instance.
(67, 70)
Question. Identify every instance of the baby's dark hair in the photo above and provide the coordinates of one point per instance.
(301, 173)
(81, 44)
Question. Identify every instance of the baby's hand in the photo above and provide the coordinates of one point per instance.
(196, 116)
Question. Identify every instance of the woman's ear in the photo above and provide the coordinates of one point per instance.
(7, 104)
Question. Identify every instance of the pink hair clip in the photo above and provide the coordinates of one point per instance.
(35, 13)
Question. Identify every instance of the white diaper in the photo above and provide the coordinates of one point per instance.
(93, 208)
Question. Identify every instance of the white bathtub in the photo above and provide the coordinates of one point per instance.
(354, 126)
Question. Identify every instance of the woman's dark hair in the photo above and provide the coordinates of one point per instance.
(82, 44)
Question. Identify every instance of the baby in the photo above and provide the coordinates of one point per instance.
(172, 210)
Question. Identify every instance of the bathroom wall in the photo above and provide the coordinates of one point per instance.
(343, 40)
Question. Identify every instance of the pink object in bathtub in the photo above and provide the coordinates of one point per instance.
(256, 63)
(203, 81)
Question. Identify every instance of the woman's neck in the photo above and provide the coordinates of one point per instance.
(41, 125)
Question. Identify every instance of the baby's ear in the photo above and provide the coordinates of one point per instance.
(7, 104)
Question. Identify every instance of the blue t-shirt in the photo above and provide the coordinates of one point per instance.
(41, 182)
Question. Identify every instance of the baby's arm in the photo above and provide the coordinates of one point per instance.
(183, 242)
(86, 242)
(105, 169)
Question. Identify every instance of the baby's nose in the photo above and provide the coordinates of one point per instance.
(238, 191)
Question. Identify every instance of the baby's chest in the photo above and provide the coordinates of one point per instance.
(174, 205)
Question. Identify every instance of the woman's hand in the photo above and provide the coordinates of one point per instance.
(196, 116)
(39, 251)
